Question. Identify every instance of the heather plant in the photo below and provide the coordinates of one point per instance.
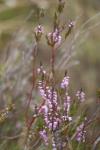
(56, 121)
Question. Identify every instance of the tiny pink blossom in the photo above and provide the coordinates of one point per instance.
(39, 29)
(80, 95)
(80, 133)
(65, 82)
(54, 38)
(43, 135)
(44, 109)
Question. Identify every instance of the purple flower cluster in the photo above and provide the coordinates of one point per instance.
(41, 70)
(80, 133)
(67, 104)
(44, 136)
(80, 95)
(65, 82)
(56, 109)
(41, 86)
(71, 24)
(50, 108)
(54, 38)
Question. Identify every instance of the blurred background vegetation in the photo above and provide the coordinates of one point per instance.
(17, 21)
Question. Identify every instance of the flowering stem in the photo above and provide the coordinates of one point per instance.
(28, 103)
(52, 109)
(35, 51)
(53, 60)
(33, 82)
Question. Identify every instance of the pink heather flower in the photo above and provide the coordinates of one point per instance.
(44, 136)
(18, 125)
(41, 90)
(80, 133)
(54, 38)
(66, 118)
(44, 110)
(80, 95)
(41, 70)
(53, 122)
(71, 24)
(55, 125)
(50, 109)
(54, 148)
(65, 82)
(69, 118)
(67, 104)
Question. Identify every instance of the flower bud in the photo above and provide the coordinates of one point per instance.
(38, 31)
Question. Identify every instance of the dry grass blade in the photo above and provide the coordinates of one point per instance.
(80, 35)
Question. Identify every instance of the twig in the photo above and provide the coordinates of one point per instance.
(10, 138)
(97, 141)
(53, 60)
(28, 104)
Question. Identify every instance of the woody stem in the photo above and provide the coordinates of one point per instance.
(53, 60)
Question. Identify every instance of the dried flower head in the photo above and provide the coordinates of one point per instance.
(71, 24)
(61, 5)
(70, 27)
(38, 31)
